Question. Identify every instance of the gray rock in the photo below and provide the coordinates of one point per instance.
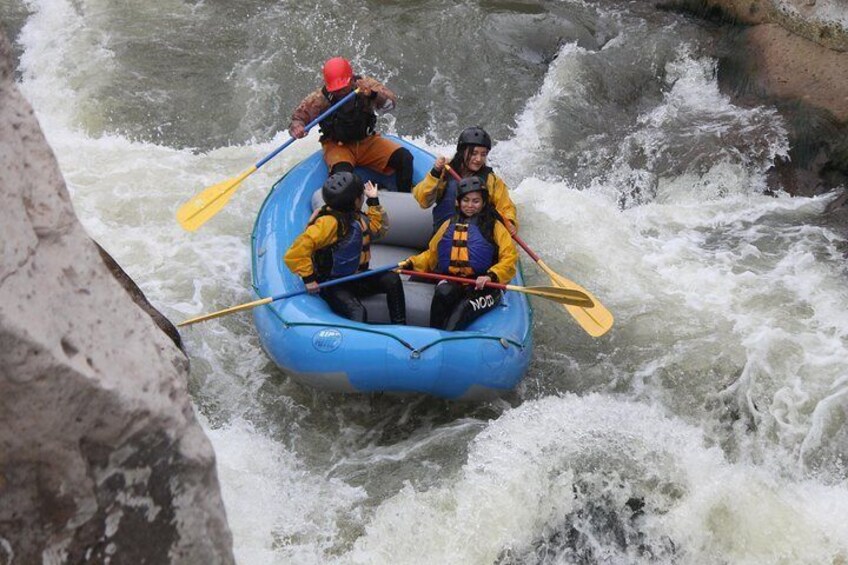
(821, 22)
(138, 297)
(101, 456)
(793, 55)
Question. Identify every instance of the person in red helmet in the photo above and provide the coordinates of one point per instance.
(349, 135)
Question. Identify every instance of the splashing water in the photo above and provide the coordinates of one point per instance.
(708, 427)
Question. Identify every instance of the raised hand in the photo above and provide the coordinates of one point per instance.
(370, 190)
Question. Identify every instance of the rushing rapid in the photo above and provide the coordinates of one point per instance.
(709, 426)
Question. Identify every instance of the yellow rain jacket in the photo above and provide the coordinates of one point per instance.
(502, 271)
(430, 190)
(323, 232)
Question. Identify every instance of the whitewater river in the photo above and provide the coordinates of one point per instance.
(709, 426)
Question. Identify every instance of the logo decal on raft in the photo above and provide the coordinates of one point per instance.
(482, 302)
(327, 339)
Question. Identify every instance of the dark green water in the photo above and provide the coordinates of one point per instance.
(708, 427)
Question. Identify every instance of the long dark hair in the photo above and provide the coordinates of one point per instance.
(343, 220)
(460, 158)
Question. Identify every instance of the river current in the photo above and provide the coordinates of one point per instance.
(709, 426)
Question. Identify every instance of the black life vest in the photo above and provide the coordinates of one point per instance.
(351, 252)
(354, 121)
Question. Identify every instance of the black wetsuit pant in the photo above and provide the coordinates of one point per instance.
(344, 298)
(401, 161)
(456, 305)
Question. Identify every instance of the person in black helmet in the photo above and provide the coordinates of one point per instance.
(438, 188)
(474, 243)
(336, 243)
(349, 136)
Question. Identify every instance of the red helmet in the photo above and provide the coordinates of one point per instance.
(337, 73)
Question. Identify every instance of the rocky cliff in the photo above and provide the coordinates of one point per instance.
(101, 456)
(792, 54)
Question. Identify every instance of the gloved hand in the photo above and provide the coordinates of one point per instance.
(297, 131)
(364, 90)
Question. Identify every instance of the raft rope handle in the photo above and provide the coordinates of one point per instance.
(500, 340)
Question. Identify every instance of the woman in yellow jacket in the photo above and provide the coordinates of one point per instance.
(336, 243)
(474, 243)
(438, 188)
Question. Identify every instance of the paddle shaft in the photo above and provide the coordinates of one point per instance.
(340, 280)
(202, 207)
(526, 248)
(437, 276)
(308, 127)
(284, 295)
(562, 295)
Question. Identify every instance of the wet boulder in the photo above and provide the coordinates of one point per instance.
(807, 82)
(792, 54)
(101, 456)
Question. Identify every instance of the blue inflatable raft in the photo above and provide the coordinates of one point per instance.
(321, 349)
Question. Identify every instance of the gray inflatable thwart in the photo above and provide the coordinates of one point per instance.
(409, 224)
(410, 230)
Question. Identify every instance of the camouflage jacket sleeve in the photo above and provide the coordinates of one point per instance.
(310, 108)
(385, 101)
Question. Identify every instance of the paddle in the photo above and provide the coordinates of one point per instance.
(203, 206)
(595, 319)
(261, 301)
(561, 295)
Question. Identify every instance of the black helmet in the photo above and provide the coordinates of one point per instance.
(474, 136)
(341, 190)
(471, 184)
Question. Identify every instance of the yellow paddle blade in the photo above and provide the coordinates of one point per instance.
(225, 311)
(202, 207)
(595, 320)
(557, 294)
